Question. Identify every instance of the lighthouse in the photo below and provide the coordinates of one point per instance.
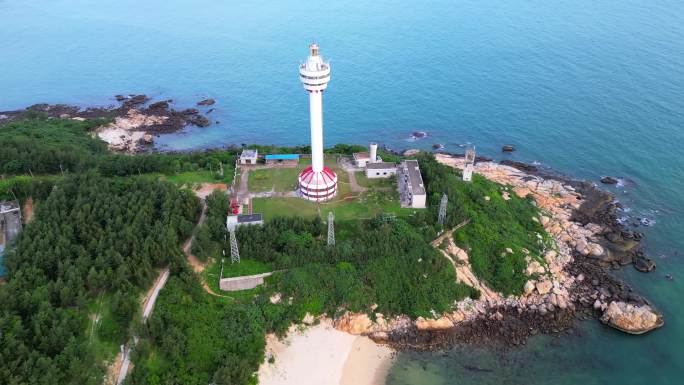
(316, 182)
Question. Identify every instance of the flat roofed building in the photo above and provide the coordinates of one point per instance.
(285, 159)
(233, 221)
(381, 170)
(249, 156)
(410, 184)
(361, 159)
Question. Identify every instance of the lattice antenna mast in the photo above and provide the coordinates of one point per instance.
(469, 164)
(442, 209)
(234, 252)
(331, 229)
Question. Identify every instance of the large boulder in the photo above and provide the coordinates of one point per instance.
(433, 324)
(206, 102)
(544, 287)
(631, 318)
(308, 319)
(354, 323)
(609, 180)
(644, 264)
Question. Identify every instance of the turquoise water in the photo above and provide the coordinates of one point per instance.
(587, 87)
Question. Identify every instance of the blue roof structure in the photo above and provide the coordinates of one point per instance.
(282, 157)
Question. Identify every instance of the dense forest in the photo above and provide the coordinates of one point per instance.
(48, 146)
(39, 145)
(91, 238)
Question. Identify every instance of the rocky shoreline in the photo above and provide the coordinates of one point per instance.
(133, 123)
(575, 282)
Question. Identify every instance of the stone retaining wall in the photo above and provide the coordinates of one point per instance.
(242, 283)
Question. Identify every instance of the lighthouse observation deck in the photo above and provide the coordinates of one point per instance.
(314, 73)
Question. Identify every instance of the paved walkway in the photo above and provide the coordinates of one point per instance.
(351, 170)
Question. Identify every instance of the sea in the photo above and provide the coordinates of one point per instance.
(588, 88)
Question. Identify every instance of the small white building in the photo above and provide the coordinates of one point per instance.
(381, 170)
(410, 184)
(249, 156)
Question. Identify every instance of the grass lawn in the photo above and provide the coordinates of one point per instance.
(283, 179)
(345, 205)
(277, 179)
(366, 205)
(364, 181)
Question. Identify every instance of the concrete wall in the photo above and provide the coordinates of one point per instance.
(380, 173)
(10, 224)
(242, 283)
(418, 201)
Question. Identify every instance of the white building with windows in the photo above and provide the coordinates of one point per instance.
(381, 170)
(410, 184)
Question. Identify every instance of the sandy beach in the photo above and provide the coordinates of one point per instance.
(323, 355)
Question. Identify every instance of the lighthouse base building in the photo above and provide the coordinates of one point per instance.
(317, 186)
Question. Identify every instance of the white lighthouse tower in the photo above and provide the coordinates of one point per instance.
(316, 182)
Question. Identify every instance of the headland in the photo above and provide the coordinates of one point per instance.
(519, 252)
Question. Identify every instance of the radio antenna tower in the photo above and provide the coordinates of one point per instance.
(234, 252)
(442, 209)
(331, 229)
(469, 164)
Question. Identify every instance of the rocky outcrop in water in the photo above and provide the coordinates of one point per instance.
(206, 102)
(632, 319)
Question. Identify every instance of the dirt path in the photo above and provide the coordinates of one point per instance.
(28, 210)
(462, 267)
(243, 188)
(347, 166)
(207, 188)
(198, 266)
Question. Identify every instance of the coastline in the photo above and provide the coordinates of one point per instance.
(572, 283)
(323, 355)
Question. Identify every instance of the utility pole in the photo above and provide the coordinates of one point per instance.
(234, 252)
(442, 209)
(331, 229)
